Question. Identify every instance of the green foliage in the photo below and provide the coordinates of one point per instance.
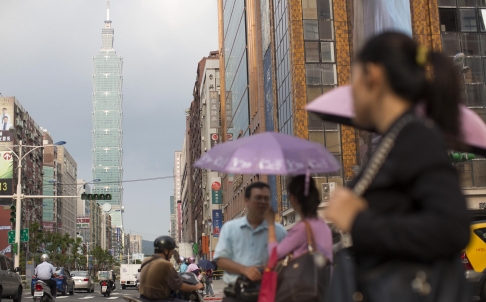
(60, 247)
(102, 259)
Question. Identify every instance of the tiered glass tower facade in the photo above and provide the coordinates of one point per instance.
(107, 124)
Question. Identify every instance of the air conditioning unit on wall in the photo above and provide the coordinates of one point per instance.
(327, 190)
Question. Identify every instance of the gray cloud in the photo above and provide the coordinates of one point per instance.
(46, 54)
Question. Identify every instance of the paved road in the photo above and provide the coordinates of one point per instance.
(83, 295)
(117, 295)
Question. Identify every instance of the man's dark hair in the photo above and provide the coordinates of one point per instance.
(258, 185)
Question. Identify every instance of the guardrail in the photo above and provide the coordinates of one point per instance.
(218, 274)
(25, 285)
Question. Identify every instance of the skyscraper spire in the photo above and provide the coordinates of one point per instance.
(108, 10)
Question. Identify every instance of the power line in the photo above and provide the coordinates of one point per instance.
(116, 182)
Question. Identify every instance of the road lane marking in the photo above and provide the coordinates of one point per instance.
(86, 297)
(111, 298)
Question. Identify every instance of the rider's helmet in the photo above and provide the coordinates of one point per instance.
(44, 257)
(192, 259)
(182, 259)
(164, 243)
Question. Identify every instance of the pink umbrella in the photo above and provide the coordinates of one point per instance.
(337, 106)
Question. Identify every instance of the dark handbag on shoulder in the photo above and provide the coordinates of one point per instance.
(442, 280)
(304, 278)
(246, 290)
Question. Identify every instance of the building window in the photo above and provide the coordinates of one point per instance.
(448, 19)
(468, 20)
(312, 51)
(311, 30)
(309, 9)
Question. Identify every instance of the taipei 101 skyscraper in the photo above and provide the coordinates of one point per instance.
(107, 129)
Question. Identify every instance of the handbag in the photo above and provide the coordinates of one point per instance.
(397, 281)
(268, 288)
(246, 290)
(304, 278)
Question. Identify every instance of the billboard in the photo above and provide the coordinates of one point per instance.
(217, 222)
(82, 222)
(216, 196)
(7, 105)
(7, 119)
(48, 225)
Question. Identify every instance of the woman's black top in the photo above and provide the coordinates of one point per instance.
(416, 210)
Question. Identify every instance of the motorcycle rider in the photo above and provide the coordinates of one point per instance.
(113, 282)
(193, 268)
(183, 267)
(44, 272)
(158, 277)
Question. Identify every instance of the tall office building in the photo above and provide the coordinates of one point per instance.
(107, 125)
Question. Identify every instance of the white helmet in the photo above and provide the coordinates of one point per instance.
(44, 257)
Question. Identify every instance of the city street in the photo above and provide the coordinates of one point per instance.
(218, 286)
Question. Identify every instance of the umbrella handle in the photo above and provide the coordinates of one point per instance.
(307, 182)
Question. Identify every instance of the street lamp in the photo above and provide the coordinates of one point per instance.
(87, 254)
(18, 195)
(209, 223)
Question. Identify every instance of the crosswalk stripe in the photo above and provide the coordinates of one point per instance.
(111, 298)
(86, 297)
(62, 297)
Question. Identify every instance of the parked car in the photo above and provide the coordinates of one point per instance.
(474, 255)
(64, 282)
(83, 281)
(10, 282)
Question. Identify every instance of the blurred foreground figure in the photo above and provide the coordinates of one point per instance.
(407, 197)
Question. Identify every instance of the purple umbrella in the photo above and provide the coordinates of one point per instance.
(269, 153)
(337, 106)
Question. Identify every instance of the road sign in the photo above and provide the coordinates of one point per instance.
(11, 237)
(7, 156)
(24, 236)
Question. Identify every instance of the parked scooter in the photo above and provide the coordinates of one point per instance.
(105, 288)
(188, 278)
(42, 292)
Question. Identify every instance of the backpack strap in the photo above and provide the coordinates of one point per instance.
(153, 257)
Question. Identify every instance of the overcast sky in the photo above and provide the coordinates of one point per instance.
(46, 50)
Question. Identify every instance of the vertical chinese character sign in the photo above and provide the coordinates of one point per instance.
(216, 191)
(213, 109)
(217, 222)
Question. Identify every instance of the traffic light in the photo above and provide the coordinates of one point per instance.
(13, 213)
(460, 157)
(85, 196)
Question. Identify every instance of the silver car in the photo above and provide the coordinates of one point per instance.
(83, 281)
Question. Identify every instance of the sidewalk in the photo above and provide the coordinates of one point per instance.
(218, 286)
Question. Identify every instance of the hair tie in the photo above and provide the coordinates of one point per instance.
(422, 54)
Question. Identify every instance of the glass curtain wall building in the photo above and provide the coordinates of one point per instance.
(48, 190)
(320, 74)
(236, 66)
(463, 30)
(107, 124)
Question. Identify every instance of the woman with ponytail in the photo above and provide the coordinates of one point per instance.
(406, 205)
